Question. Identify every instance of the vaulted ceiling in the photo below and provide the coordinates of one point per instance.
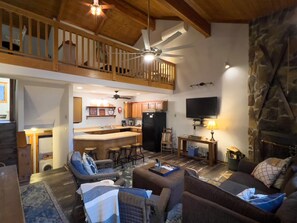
(125, 20)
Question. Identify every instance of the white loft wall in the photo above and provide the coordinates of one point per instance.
(90, 99)
(204, 62)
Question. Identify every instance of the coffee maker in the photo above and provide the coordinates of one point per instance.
(124, 123)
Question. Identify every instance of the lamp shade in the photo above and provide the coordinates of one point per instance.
(211, 125)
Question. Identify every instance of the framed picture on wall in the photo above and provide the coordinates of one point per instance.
(3, 92)
(93, 111)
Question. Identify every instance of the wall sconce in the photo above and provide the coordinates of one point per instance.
(227, 65)
(211, 125)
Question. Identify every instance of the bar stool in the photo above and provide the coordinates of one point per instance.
(114, 154)
(136, 152)
(125, 154)
(91, 151)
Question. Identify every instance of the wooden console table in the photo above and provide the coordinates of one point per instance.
(212, 147)
(11, 205)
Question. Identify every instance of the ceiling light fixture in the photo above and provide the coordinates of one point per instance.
(227, 65)
(96, 9)
(148, 57)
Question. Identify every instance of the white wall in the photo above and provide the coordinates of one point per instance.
(204, 62)
(91, 99)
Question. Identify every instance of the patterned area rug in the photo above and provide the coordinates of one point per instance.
(40, 205)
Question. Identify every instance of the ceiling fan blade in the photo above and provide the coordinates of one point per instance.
(170, 55)
(125, 97)
(177, 48)
(107, 6)
(146, 40)
(166, 41)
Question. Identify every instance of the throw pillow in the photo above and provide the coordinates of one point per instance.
(77, 163)
(284, 164)
(270, 203)
(89, 164)
(266, 173)
(136, 191)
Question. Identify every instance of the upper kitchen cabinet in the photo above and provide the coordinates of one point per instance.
(155, 106)
(137, 110)
(77, 109)
(127, 109)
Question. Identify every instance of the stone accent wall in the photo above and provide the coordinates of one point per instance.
(273, 80)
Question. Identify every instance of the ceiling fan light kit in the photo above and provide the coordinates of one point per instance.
(96, 8)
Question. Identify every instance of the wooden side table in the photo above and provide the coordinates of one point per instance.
(212, 147)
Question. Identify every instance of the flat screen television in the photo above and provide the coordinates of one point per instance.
(201, 107)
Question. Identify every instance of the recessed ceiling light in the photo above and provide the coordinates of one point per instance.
(79, 87)
(137, 93)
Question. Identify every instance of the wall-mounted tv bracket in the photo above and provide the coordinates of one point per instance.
(198, 122)
(202, 84)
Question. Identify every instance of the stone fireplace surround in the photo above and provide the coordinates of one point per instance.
(272, 84)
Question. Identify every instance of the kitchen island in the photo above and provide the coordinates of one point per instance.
(104, 141)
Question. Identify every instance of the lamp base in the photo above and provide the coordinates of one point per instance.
(212, 139)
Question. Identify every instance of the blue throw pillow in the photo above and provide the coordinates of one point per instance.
(89, 164)
(270, 203)
(77, 163)
(136, 191)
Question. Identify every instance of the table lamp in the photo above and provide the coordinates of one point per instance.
(211, 125)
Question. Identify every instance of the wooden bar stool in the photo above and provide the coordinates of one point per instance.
(91, 151)
(136, 152)
(125, 154)
(114, 154)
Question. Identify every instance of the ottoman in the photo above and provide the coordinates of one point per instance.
(143, 178)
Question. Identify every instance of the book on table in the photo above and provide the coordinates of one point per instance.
(164, 169)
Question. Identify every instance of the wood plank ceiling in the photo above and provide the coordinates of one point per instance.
(126, 19)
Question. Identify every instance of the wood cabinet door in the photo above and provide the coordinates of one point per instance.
(145, 106)
(162, 105)
(139, 110)
(77, 109)
(127, 110)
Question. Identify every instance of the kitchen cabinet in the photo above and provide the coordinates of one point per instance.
(145, 106)
(127, 110)
(100, 111)
(139, 137)
(77, 109)
(162, 105)
(137, 110)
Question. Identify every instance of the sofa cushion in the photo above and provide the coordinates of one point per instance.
(291, 185)
(227, 200)
(269, 203)
(284, 164)
(76, 161)
(249, 181)
(290, 172)
(287, 211)
(89, 164)
(266, 172)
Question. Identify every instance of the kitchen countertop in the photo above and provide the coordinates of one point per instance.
(105, 137)
(96, 129)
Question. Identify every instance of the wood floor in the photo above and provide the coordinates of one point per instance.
(63, 185)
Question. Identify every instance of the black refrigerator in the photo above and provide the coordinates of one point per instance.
(152, 126)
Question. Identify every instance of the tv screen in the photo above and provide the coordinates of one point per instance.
(201, 107)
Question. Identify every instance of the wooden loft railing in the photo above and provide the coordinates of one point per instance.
(28, 39)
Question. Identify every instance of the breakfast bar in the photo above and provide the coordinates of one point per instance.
(104, 141)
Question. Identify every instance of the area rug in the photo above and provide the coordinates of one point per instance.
(40, 205)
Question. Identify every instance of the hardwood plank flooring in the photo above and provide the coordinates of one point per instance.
(63, 185)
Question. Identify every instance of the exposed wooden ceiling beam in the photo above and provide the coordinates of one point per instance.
(100, 25)
(189, 15)
(132, 12)
(61, 9)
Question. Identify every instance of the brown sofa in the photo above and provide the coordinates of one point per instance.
(203, 202)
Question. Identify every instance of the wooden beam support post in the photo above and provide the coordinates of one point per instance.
(189, 15)
(55, 48)
(61, 9)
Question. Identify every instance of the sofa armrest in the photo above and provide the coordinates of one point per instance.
(197, 209)
(246, 166)
(107, 163)
(164, 198)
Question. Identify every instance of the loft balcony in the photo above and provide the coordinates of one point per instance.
(30, 40)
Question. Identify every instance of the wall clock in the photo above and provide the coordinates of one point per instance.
(110, 111)
(119, 110)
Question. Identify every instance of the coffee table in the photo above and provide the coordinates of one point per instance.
(143, 178)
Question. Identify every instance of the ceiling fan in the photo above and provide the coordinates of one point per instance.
(117, 96)
(156, 50)
(96, 8)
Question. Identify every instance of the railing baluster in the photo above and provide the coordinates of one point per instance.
(10, 31)
(76, 49)
(20, 33)
(30, 35)
(38, 38)
(1, 14)
(83, 50)
(46, 40)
